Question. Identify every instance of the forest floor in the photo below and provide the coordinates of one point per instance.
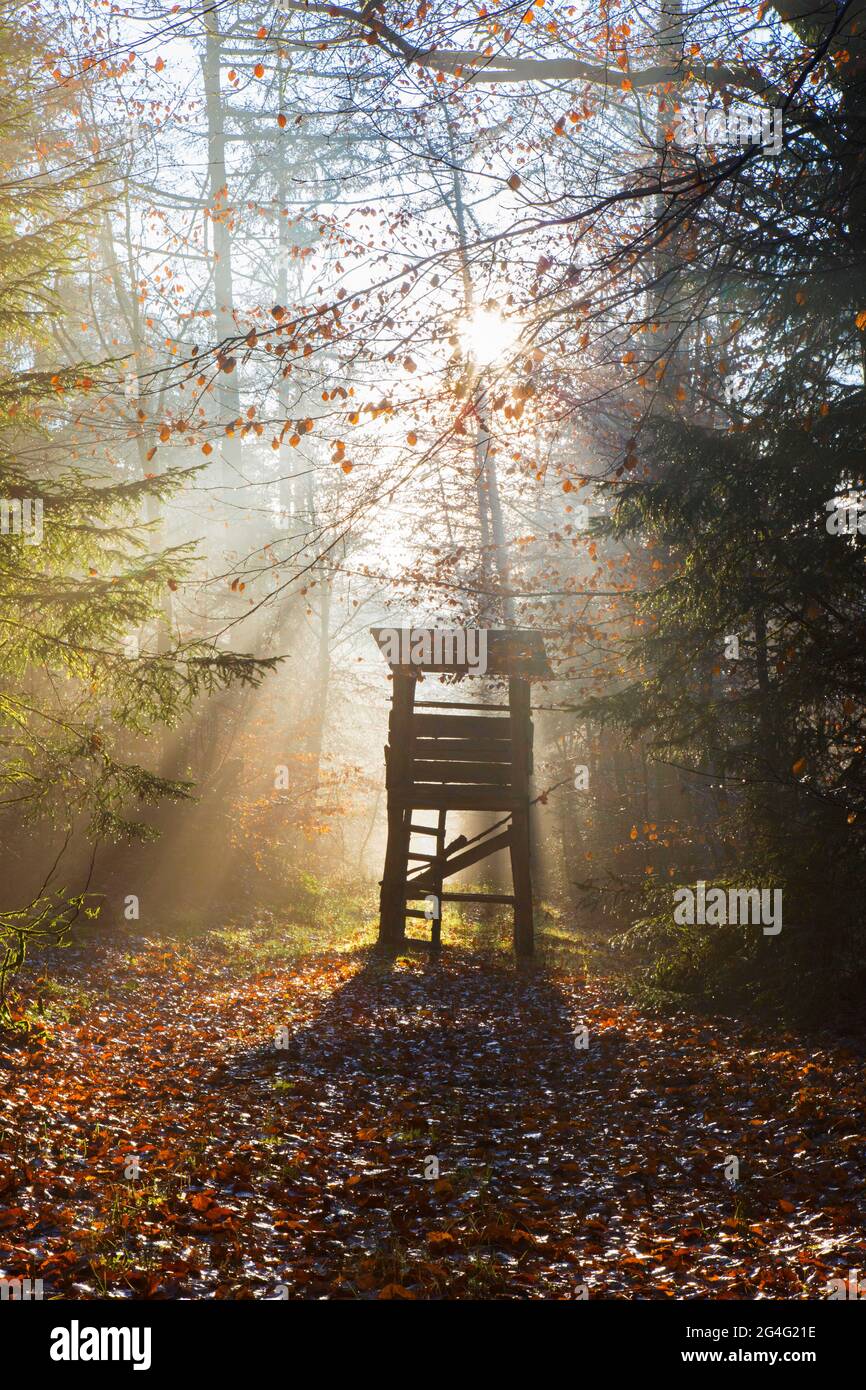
(286, 1120)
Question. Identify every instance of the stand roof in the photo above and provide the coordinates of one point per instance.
(465, 651)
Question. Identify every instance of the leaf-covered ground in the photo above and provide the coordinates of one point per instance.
(307, 1168)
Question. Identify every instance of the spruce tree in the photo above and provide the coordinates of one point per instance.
(84, 668)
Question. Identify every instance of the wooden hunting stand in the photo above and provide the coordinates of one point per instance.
(458, 757)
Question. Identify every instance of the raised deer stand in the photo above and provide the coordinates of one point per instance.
(439, 758)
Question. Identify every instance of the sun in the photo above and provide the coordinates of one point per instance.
(486, 336)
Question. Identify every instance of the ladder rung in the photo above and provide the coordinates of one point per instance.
(478, 898)
(414, 912)
(411, 892)
(454, 704)
(428, 858)
(423, 830)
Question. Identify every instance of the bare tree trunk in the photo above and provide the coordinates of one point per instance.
(129, 307)
(227, 389)
(323, 679)
(486, 479)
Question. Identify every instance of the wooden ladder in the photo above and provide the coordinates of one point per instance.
(453, 761)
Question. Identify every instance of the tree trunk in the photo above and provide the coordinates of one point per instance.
(227, 389)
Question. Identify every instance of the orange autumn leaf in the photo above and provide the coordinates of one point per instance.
(441, 1240)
